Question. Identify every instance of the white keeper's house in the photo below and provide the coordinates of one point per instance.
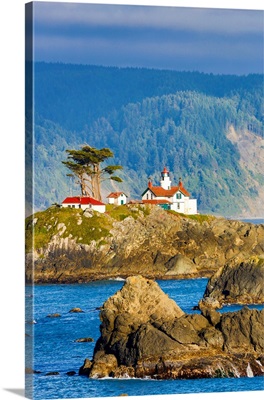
(118, 198)
(84, 202)
(169, 197)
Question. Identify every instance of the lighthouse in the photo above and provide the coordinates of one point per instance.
(168, 197)
(165, 181)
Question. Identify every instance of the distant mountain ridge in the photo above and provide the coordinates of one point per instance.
(151, 119)
(74, 95)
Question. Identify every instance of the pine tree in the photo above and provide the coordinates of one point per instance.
(85, 164)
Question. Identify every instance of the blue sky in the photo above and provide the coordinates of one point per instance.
(201, 39)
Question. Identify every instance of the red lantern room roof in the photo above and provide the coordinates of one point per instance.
(165, 171)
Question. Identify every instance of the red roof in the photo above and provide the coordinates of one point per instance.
(82, 200)
(158, 191)
(115, 195)
(165, 171)
(156, 201)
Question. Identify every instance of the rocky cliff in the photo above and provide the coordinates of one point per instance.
(69, 245)
(144, 333)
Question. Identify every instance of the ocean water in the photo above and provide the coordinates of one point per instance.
(254, 221)
(55, 349)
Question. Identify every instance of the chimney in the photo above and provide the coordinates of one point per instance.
(180, 183)
(149, 183)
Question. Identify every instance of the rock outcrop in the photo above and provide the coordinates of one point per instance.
(241, 284)
(144, 333)
(69, 247)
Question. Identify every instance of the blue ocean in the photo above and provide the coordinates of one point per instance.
(56, 349)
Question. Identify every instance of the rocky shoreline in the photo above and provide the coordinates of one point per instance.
(72, 246)
(145, 334)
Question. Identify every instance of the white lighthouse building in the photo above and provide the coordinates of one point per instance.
(169, 197)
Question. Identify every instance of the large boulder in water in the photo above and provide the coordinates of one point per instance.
(140, 303)
(241, 283)
(145, 333)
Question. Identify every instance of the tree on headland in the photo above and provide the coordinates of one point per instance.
(85, 164)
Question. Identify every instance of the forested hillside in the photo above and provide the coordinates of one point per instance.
(151, 119)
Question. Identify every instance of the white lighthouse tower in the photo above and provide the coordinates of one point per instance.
(165, 181)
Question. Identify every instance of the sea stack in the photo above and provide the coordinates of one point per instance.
(145, 333)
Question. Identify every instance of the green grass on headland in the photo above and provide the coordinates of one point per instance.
(195, 217)
(121, 212)
(67, 222)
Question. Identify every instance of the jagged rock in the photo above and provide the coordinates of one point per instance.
(243, 331)
(208, 303)
(144, 333)
(213, 316)
(139, 301)
(241, 283)
(103, 366)
(185, 330)
(86, 367)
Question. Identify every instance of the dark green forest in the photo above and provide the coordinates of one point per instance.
(149, 119)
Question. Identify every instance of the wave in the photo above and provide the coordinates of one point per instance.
(124, 378)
